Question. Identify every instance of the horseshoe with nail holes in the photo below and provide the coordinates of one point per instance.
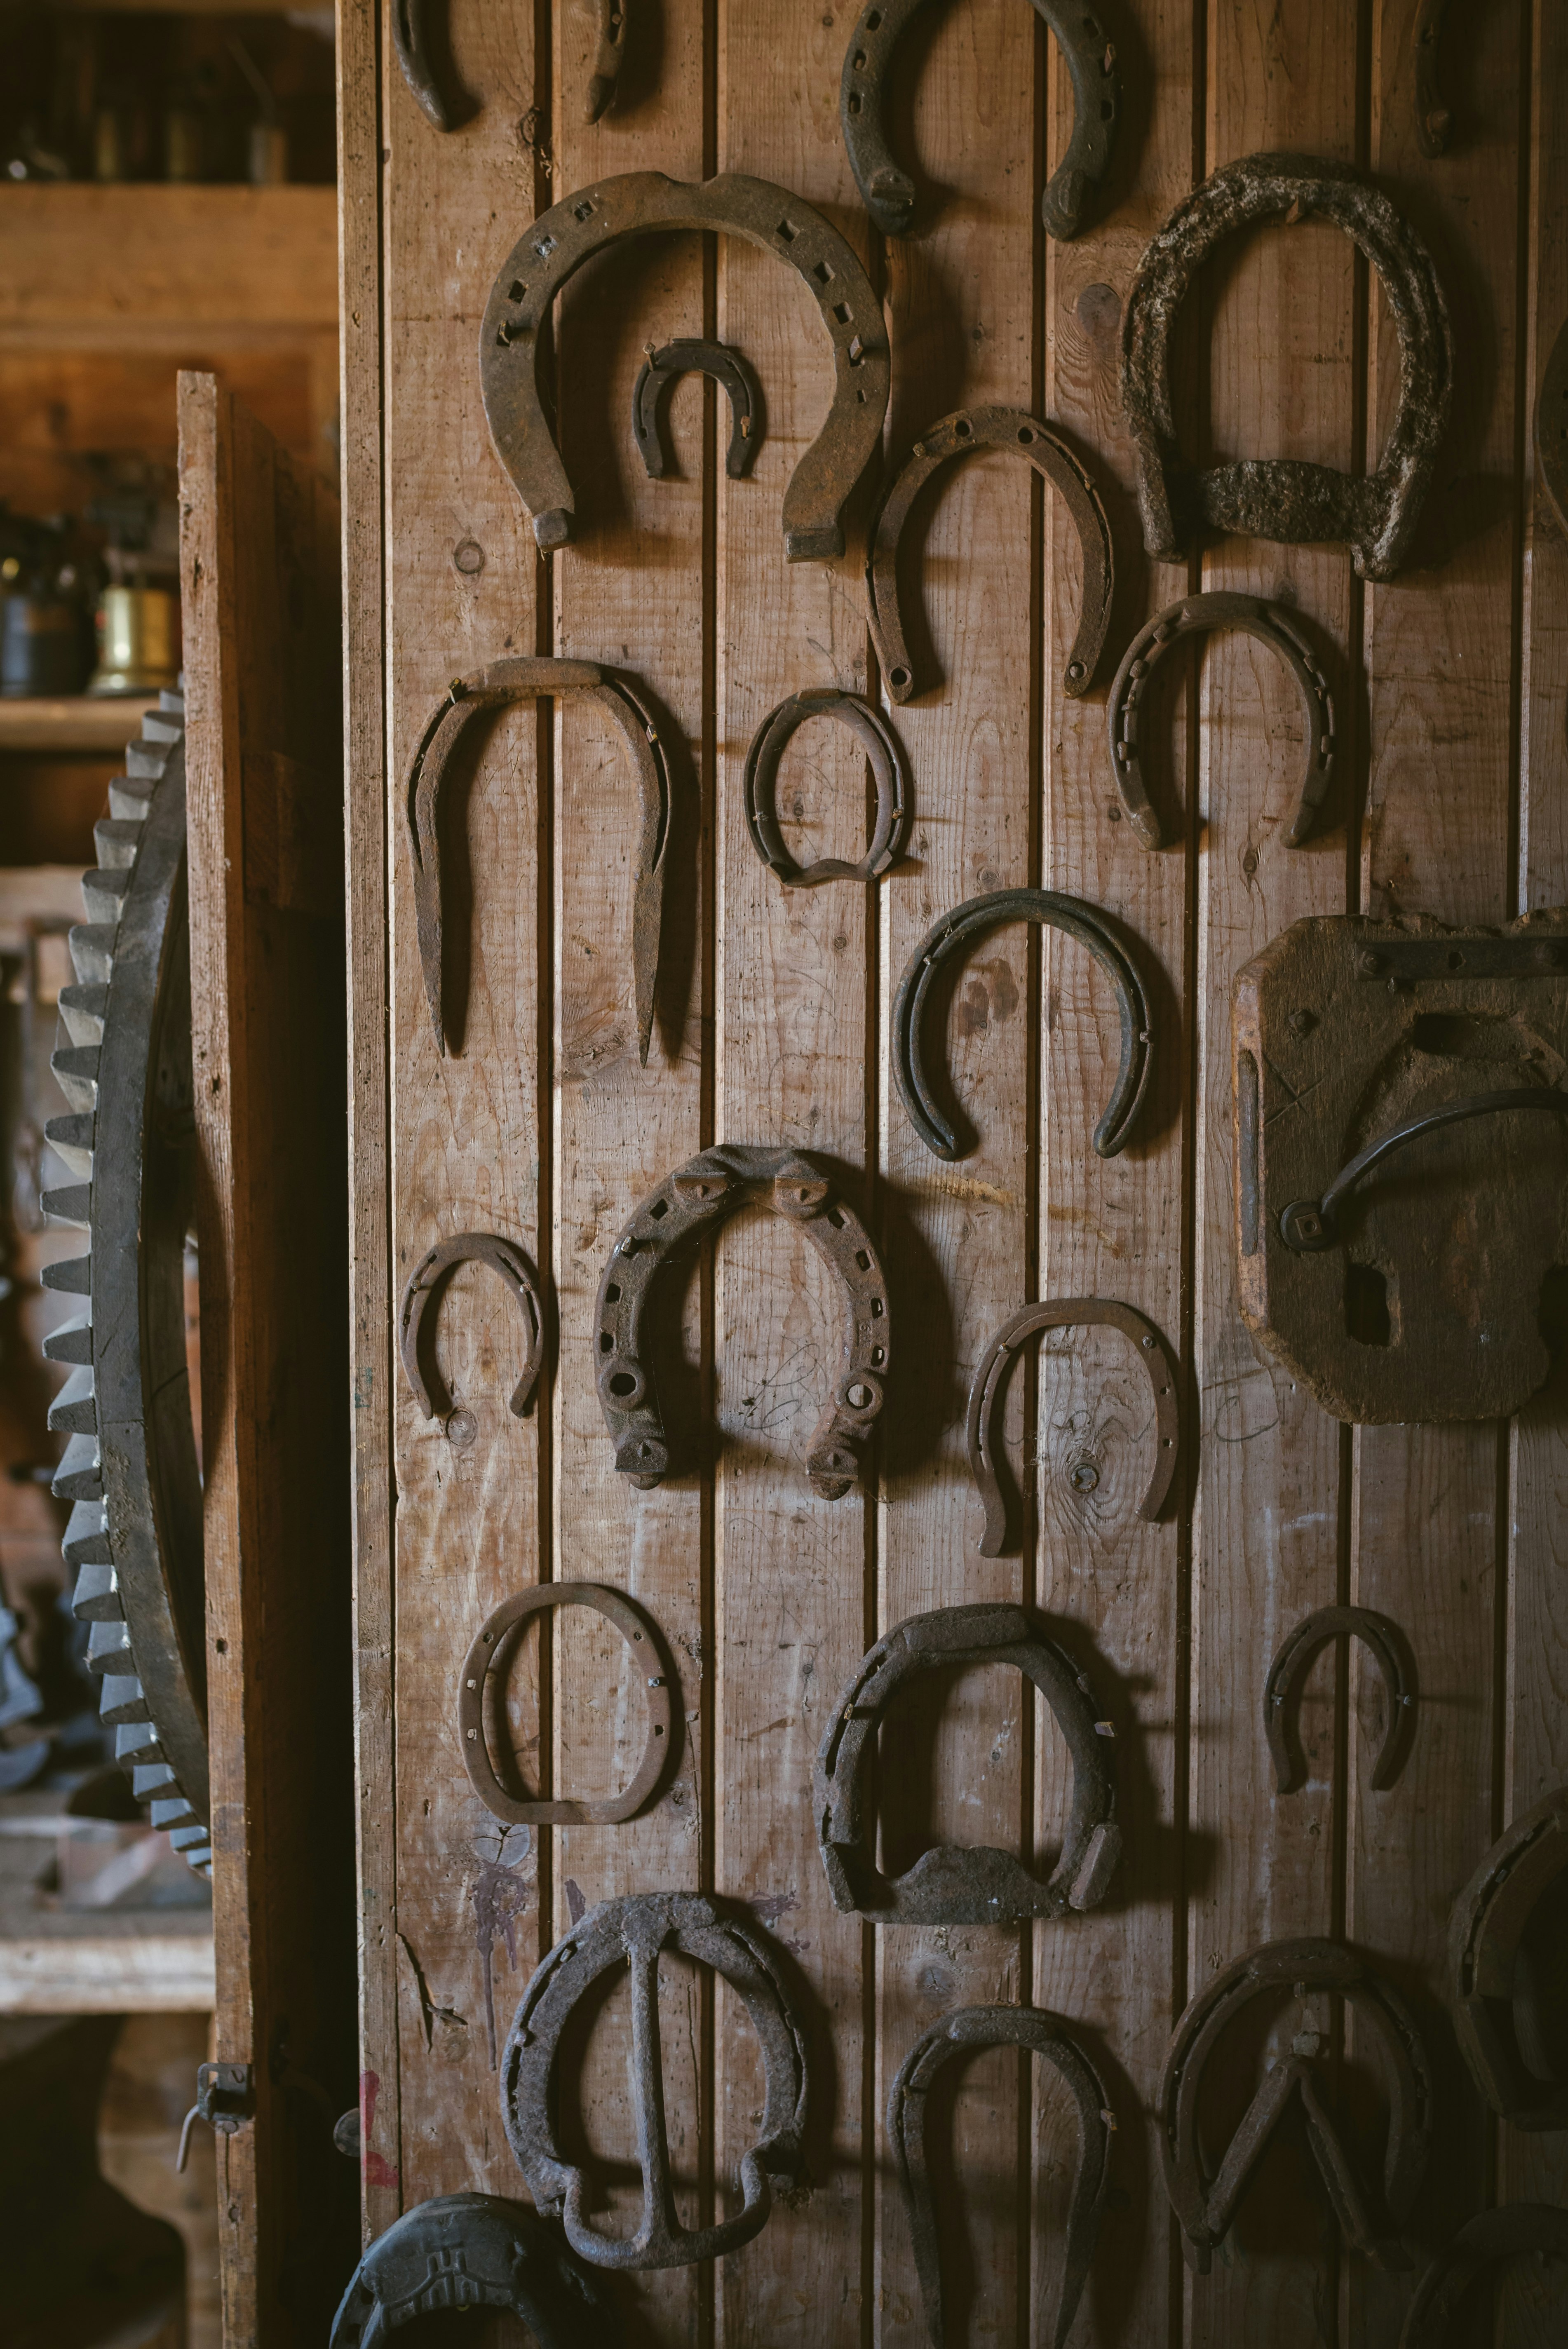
(951, 936)
(1191, 615)
(895, 797)
(1485, 2241)
(496, 687)
(1021, 435)
(1390, 1651)
(1494, 1990)
(634, 204)
(991, 1377)
(503, 1257)
(657, 378)
(475, 2251)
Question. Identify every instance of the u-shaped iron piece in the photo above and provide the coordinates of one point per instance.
(1389, 1650)
(607, 57)
(503, 1257)
(413, 54)
(895, 797)
(1496, 1984)
(1518, 2230)
(662, 370)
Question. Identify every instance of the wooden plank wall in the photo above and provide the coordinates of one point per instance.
(773, 1027)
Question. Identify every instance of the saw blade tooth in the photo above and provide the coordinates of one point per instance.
(117, 839)
(76, 1073)
(72, 1275)
(148, 1779)
(96, 1598)
(70, 1138)
(145, 762)
(79, 1477)
(74, 1411)
(92, 950)
(108, 1645)
(71, 1342)
(82, 1011)
(103, 891)
(123, 1700)
(71, 1206)
(175, 1813)
(136, 1742)
(130, 797)
(87, 1536)
(163, 726)
(172, 697)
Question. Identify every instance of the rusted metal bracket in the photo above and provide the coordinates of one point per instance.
(635, 1930)
(991, 1378)
(661, 370)
(226, 2100)
(413, 54)
(428, 1275)
(638, 1630)
(1551, 427)
(1495, 1988)
(600, 91)
(887, 190)
(1390, 1651)
(895, 792)
(1021, 435)
(538, 679)
(959, 2034)
(1196, 614)
(475, 2251)
(686, 1207)
(1434, 116)
(1205, 2200)
(1519, 2230)
(1285, 498)
(954, 1884)
(1308, 1225)
(638, 203)
(952, 935)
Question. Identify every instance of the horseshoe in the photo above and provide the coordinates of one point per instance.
(657, 378)
(413, 56)
(474, 2251)
(636, 1628)
(1493, 1992)
(1483, 2242)
(1196, 614)
(1205, 2202)
(957, 2033)
(991, 1377)
(1390, 1651)
(1551, 427)
(895, 797)
(689, 1205)
(889, 192)
(1434, 118)
(503, 1257)
(633, 204)
(1021, 435)
(958, 1884)
(600, 91)
(1287, 499)
(636, 1929)
(496, 687)
(951, 936)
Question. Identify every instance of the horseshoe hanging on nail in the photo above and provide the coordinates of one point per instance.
(657, 378)
(1511, 2037)
(607, 57)
(1519, 2230)
(408, 39)
(895, 797)
(503, 1257)
(1389, 1650)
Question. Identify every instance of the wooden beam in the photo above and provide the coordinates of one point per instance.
(140, 262)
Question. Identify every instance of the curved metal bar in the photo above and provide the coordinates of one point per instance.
(1021, 435)
(661, 370)
(895, 794)
(959, 1884)
(1280, 498)
(635, 205)
(607, 57)
(1551, 427)
(991, 1378)
(475, 2251)
(1494, 1988)
(536, 679)
(1308, 1225)
(413, 56)
(1519, 2230)
(503, 1257)
(954, 935)
(608, 1937)
(956, 2034)
(1434, 116)
(887, 190)
(1390, 1651)
(686, 1207)
(1196, 614)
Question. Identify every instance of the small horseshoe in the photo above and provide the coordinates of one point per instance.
(991, 1377)
(1021, 435)
(895, 798)
(607, 59)
(1192, 615)
(1434, 119)
(1390, 1651)
(951, 936)
(413, 56)
(658, 376)
(503, 1257)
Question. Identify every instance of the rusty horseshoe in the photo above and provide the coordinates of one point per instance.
(410, 41)
(1287, 499)
(950, 937)
(889, 192)
(956, 2034)
(538, 679)
(1021, 435)
(611, 15)
(635, 1931)
(1389, 1650)
(475, 2251)
(1495, 1990)
(1194, 615)
(503, 1257)
(636, 203)
(895, 796)
(956, 1884)
(661, 370)
(1519, 2230)
(991, 1378)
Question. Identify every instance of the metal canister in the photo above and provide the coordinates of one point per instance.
(137, 640)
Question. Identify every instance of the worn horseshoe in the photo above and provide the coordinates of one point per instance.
(611, 15)
(889, 192)
(1287, 499)
(956, 2034)
(951, 936)
(686, 1207)
(1021, 435)
(636, 203)
(1551, 427)
(1434, 118)
(503, 1257)
(1495, 1991)
(895, 797)
(991, 1377)
(469, 2251)
(636, 1929)
(958, 1884)
(661, 370)
(1192, 615)
(531, 679)
(413, 56)
(1389, 1650)
(1519, 2230)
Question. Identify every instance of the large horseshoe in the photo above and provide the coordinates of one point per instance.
(661, 370)
(1390, 1651)
(529, 679)
(951, 936)
(428, 1275)
(1021, 435)
(635, 204)
(887, 190)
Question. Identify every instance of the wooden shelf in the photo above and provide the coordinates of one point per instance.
(83, 723)
(55, 1960)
